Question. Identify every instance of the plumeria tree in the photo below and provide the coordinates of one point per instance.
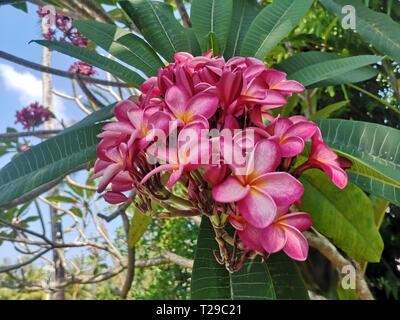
(211, 131)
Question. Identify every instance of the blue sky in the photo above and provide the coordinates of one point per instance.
(20, 86)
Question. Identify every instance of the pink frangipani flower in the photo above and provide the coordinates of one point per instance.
(283, 233)
(260, 190)
(325, 159)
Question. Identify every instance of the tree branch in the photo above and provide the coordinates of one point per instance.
(38, 134)
(183, 13)
(327, 249)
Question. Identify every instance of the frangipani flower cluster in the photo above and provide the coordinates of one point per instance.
(32, 116)
(204, 123)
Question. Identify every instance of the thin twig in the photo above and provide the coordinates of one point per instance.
(38, 134)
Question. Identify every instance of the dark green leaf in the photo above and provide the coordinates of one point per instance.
(345, 216)
(243, 14)
(48, 161)
(122, 44)
(96, 60)
(376, 28)
(210, 280)
(306, 59)
(211, 16)
(373, 150)
(271, 25)
(157, 23)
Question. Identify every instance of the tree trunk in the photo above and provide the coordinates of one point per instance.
(56, 228)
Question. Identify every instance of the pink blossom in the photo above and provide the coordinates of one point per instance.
(325, 159)
(260, 190)
(82, 68)
(290, 135)
(32, 116)
(283, 233)
(189, 155)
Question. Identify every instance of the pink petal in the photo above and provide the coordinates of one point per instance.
(273, 238)
(175, 176)
(230, 190)
(229, 87)
(258, 208)
(122, 108)
(108, 175)
(176, 98)
(337, 174)
(299, 220)
(291, 146)
(303, 129)
(203, 104)
(273, 77)
(279, 126)
(296, 245)
(288, 87)
(281, 186)
(215, 174)
(115, 197)
(265, 158)
(164, 167)
(251, 238)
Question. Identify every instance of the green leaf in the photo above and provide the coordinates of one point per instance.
(21, 6)
(211, 16)
(122, 44)
(77, 211)
(321, 71)
(157, 23)
(306, 59)
(374, 151)
(194, 44)
(138, 227)
(345, 216)
(277, 278)
(48, 161)
(326, 111)
(96, 60)
(376, 28)
(271, 25)
(63, 199)
(212, 44)
(210, 280)
(79, 191)
(243, 14)
(380, 206)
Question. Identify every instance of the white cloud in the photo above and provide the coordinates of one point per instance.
(28, 89)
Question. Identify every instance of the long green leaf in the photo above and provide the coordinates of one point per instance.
(158, 25)
(373, 150)
(210, 280)
(243, 14)
(211, 16)
(321, 71)
(328, 110)
(96, 60)
(271, 25)
(48, 161)
(346, 216)
(277, 278)
(122, 44)
(305, 59)
(376, 28)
